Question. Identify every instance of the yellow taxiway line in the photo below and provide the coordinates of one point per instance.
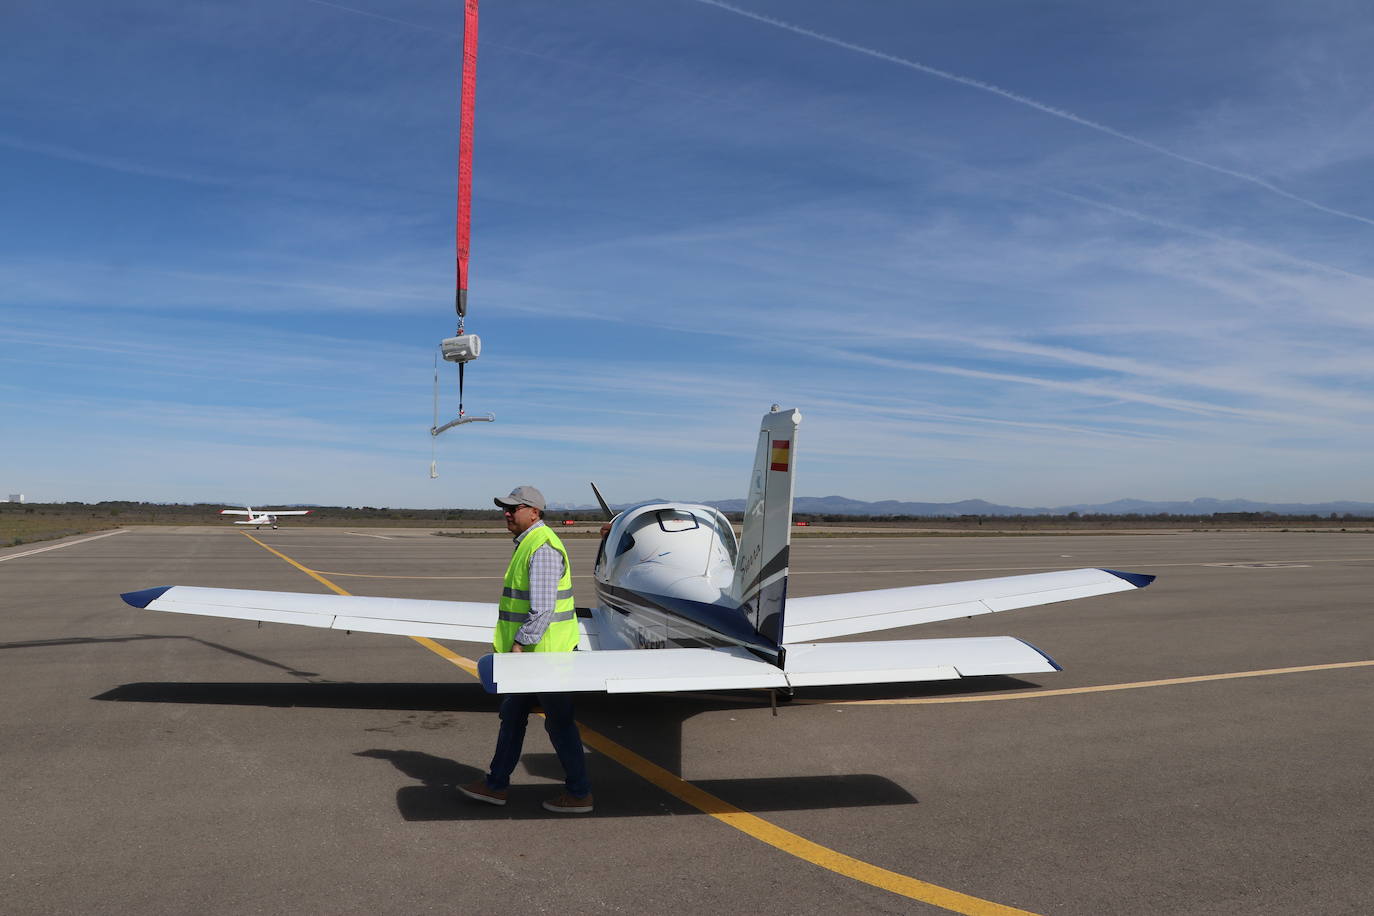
(794, 844)
(723, 811)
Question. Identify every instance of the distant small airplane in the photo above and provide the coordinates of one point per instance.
(262, 516)
(683, 606)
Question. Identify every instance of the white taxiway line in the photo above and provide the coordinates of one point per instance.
(361, 535)
(29, 553)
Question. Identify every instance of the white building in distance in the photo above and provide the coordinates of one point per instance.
(16, 497)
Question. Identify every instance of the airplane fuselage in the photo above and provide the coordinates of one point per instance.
(258, 518)
(665, 577)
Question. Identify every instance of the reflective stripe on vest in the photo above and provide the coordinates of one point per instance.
(563, 632)
(524, 595)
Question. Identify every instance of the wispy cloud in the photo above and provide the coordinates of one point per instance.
(233, 266)
(1036, 105)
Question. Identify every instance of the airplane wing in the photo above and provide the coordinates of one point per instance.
(470, 621)
(286, 512)
(234, 512)
(909, 660)
(627, 671)
(735, 668)
(822, 616)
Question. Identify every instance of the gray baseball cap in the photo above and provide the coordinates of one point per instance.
(521, 496)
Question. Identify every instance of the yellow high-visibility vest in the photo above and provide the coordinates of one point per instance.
(562, 634)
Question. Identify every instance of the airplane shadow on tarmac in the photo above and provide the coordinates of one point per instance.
(650, 723)
(654, 721)
(437, 798)
(139, 637)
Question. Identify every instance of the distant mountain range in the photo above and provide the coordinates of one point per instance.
(843, 505)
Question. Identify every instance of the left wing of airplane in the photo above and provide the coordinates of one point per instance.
(470, 621)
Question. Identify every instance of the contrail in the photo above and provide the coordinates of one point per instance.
(487, 43)
(1031, 103)
(413, 25)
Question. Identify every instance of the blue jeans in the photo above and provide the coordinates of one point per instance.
(562, 729)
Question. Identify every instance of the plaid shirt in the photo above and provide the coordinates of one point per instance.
(546, 568)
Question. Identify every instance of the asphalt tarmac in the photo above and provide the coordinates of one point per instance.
(160, 764)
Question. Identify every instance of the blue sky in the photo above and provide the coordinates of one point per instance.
(1033, 253)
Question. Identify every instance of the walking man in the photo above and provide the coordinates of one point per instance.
(536, 615)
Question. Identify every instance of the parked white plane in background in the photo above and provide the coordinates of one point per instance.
(682, 606)
(262, 516)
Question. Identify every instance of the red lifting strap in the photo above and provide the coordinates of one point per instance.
(467, 99)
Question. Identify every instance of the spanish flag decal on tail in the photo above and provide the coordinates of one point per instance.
(760, 583)
(782, 448)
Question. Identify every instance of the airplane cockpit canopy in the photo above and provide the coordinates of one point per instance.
(660, 531)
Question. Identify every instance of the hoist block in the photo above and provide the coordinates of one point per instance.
(461, 349)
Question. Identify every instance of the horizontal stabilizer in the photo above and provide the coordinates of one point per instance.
(808, 665)
(470, 621)
(910, 660)
(627, 671)
(822, 616)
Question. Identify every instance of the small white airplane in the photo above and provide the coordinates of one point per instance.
(262, 516)
(682, 606)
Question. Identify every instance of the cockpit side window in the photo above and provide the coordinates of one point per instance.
(726, 533)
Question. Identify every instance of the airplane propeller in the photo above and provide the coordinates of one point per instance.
(604, 507)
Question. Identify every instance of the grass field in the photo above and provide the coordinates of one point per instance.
(25, 529)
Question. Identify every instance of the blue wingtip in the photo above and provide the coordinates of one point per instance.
(485, 671)
(1044, 655)
(144, 597)
(1139, 580)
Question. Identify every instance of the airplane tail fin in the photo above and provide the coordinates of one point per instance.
(761, 570)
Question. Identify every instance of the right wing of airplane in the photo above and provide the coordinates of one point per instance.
(824, 616)
(235, 512)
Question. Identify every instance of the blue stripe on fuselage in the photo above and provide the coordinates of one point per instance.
(713, 620)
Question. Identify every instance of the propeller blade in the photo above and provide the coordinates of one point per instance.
(604, 507)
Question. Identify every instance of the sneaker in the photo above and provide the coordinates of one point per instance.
(570, 804)
(480, 791)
